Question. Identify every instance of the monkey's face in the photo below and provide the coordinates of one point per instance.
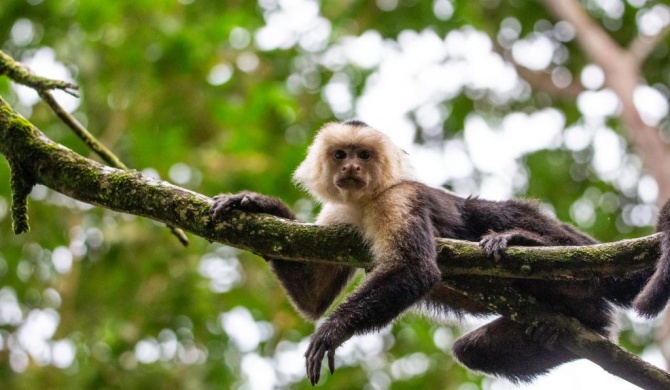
(351, 163)
(350, 167)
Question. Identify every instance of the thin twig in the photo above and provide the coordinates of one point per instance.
(21, 75)
(43, 86)
(642, 46)
(541, 80)
(622, 75)
(81, 131)
(95, 145)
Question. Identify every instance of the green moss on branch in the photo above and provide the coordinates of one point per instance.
(21, 75)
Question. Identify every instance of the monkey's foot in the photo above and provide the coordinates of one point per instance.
(495, 244)
(544, 333)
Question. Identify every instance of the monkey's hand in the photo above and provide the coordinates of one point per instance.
(250, 202)
(495, 243)
(325, 340)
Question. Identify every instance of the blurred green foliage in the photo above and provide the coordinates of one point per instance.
(141, 311)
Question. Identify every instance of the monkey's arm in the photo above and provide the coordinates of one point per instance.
(404, 273)
(311, 287)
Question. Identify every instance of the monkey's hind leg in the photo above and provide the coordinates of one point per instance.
(311, 287)
(503, 348)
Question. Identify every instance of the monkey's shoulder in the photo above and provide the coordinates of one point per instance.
(412, 205)
(412, 194)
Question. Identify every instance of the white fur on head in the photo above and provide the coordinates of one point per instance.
(391, 163)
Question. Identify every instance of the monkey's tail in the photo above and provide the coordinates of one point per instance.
(656, 293)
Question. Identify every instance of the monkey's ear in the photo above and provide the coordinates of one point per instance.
(302, 174)
(311, 176)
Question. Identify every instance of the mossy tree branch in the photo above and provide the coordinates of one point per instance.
(43, 86)
(51, 164)
(128, 191)
(21, 184)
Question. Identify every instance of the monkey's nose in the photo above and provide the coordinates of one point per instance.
(351, 168)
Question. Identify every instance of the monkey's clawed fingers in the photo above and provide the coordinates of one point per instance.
(224, 203)
(246, 201)
(314, 355)
(494, 245)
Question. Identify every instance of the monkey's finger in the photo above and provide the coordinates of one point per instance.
(494, 245)
(312, 380)
(310, 347)
(309, 368)
(497, 255)
(215, 212)
(331, 361)
(314, 371)
(314, 364)
(314, 346)
(223, 204)
(218, 210)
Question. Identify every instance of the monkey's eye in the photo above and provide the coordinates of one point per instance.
(340, 154)
(364, 154)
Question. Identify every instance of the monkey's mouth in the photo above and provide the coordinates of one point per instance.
(350, 182)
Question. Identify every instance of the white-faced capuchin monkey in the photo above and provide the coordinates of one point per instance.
(363, 180)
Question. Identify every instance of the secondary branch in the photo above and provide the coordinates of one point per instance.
(622, 75)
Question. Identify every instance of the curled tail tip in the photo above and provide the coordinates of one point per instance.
(649, 304)
(646, 312)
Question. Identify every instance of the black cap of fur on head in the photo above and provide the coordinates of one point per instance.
(355, 123)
